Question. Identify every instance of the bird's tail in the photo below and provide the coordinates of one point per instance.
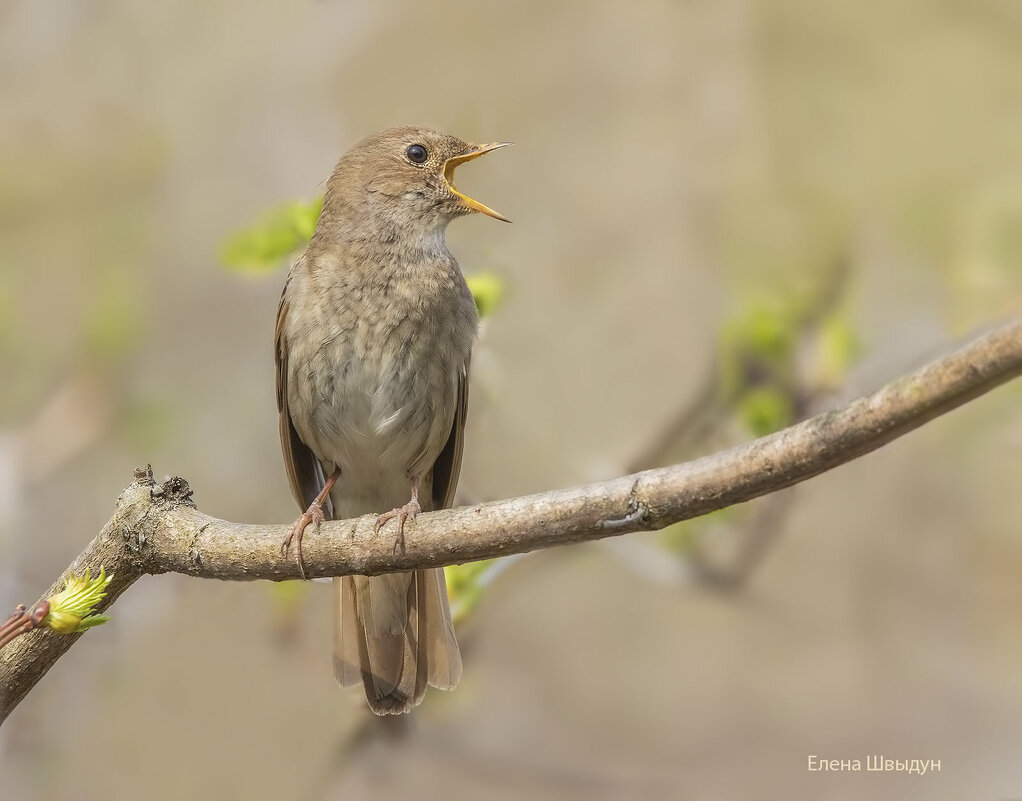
(393, 633)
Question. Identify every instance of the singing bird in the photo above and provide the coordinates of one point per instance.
(374, 336)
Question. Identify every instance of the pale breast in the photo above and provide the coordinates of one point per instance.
(373, 373)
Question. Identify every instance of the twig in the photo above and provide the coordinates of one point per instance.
(156, 529)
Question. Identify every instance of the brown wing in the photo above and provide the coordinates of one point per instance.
(448, 464)
(435, 626)
(304, 472)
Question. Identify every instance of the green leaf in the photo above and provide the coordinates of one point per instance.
(280, 234)
(465, 585)
(487, 290)
(679, 537)
(768, 334)
(765, 410)
(288, 595)
(92, 620)
(756, 346)
(838, 349)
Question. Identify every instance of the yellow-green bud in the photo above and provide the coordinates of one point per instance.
(71, 608)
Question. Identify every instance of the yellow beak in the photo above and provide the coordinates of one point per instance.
(474, 152)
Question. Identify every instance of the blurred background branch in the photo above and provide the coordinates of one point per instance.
(777, 362)
(156, 529)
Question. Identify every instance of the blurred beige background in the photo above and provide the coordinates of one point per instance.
(673, 159)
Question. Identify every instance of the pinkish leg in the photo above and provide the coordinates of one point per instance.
(314, 514)
(402, 513)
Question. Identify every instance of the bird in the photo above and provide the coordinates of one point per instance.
(373, 343)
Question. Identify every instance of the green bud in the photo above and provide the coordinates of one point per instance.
(71, 608)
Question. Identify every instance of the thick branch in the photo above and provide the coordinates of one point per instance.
(155, 528)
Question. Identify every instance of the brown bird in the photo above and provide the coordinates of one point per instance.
(374, 335)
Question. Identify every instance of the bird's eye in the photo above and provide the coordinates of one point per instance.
(416, 154)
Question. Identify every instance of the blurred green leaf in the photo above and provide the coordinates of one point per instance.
(757, 346)
(288, 595)
(465, 586)
(261, 247)
(682, 538)
(281, 233)
(488, 291)
(838, 348)
(765, 409)
(768, 333)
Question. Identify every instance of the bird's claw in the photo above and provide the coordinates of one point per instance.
(314, 514)
(402, 513)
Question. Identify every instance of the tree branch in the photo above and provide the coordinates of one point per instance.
(156, 529)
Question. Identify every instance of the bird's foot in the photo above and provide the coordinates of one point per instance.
(314, 514)
(402, 513)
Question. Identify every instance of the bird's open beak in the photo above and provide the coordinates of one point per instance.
(474, 152)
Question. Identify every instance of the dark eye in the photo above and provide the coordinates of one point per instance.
(416, 154)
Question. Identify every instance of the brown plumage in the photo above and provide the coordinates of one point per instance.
(374, 335)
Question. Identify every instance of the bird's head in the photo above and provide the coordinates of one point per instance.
(401, 182)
